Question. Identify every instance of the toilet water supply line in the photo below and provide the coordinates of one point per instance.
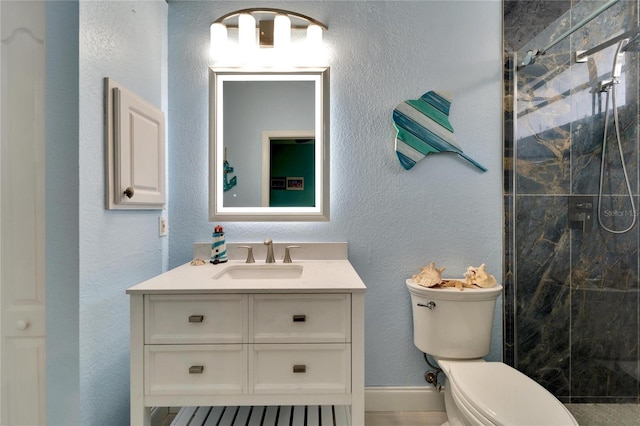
(432, 376)
(610, 86)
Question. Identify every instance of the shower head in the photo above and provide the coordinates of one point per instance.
(617, 61)
(616, 71)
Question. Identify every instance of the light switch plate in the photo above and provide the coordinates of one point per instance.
(163, 226)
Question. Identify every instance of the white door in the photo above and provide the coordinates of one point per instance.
(22, 213)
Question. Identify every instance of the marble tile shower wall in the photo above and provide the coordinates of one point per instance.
(571, 294)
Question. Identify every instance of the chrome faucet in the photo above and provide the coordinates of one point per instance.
(269, 244)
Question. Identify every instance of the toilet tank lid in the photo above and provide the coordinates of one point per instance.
(452, 293)
(506, 395)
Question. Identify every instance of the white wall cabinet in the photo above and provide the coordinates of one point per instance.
(135, 150)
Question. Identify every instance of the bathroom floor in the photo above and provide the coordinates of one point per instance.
(606, 414)
(585, 414)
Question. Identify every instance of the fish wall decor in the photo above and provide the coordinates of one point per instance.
(423, 128)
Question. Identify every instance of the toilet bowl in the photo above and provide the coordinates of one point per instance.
(492, 393)
(454, 327)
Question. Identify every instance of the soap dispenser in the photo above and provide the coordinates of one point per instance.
(218, 246)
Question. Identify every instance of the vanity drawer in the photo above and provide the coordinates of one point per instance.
(195, 369)
(198, 318)
(301, 318)
(300, 368)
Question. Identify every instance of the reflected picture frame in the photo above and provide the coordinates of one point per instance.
(295, 184)
(278, 183)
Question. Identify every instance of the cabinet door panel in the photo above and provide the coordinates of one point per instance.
(23, 224)
(135, 150)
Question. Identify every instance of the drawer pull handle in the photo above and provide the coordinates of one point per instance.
(300, 368)
(196, 369)
(196, 318)
(299, 318)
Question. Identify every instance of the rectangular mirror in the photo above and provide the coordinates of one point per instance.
(269, 145)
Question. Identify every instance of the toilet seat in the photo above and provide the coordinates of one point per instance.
(496, 394)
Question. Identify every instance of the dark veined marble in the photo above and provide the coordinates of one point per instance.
(604, 353)
(572, 295)
(525, 18)
(542, 294)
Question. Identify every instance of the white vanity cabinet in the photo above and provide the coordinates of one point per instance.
(198, 343)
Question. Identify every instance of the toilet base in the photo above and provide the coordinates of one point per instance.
(454, 417)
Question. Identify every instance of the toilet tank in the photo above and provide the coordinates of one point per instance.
(452, 323)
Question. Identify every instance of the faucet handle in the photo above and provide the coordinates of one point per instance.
(287, 255)
(250, 258)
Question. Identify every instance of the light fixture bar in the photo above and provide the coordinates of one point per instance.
(273, 11)
(274, 41)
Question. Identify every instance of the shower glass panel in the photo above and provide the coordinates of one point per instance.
(571, 287)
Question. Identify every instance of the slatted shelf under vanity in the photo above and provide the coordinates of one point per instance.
(299, 415)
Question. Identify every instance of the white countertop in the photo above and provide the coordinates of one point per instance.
(318, 276)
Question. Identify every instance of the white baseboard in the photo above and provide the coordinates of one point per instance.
(395, 398)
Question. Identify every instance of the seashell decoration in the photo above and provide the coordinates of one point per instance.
(460, 285)
(428, 276)
(479, 277)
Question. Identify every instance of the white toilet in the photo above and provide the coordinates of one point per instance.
(454, 327)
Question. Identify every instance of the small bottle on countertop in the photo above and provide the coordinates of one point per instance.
(218, 246)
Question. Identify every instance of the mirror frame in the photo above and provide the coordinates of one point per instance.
(217, 211)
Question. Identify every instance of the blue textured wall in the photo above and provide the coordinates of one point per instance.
(395, 221)
(125, 40)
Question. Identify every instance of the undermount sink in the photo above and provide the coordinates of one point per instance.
(260, 272)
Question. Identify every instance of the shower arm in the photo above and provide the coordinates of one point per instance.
(531, 55)
(583, 55)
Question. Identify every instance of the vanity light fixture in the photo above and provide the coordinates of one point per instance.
(258, 29)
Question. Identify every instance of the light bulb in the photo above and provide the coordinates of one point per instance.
(218, 33)
(314, 35)
(281, 31)
(247, 31)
